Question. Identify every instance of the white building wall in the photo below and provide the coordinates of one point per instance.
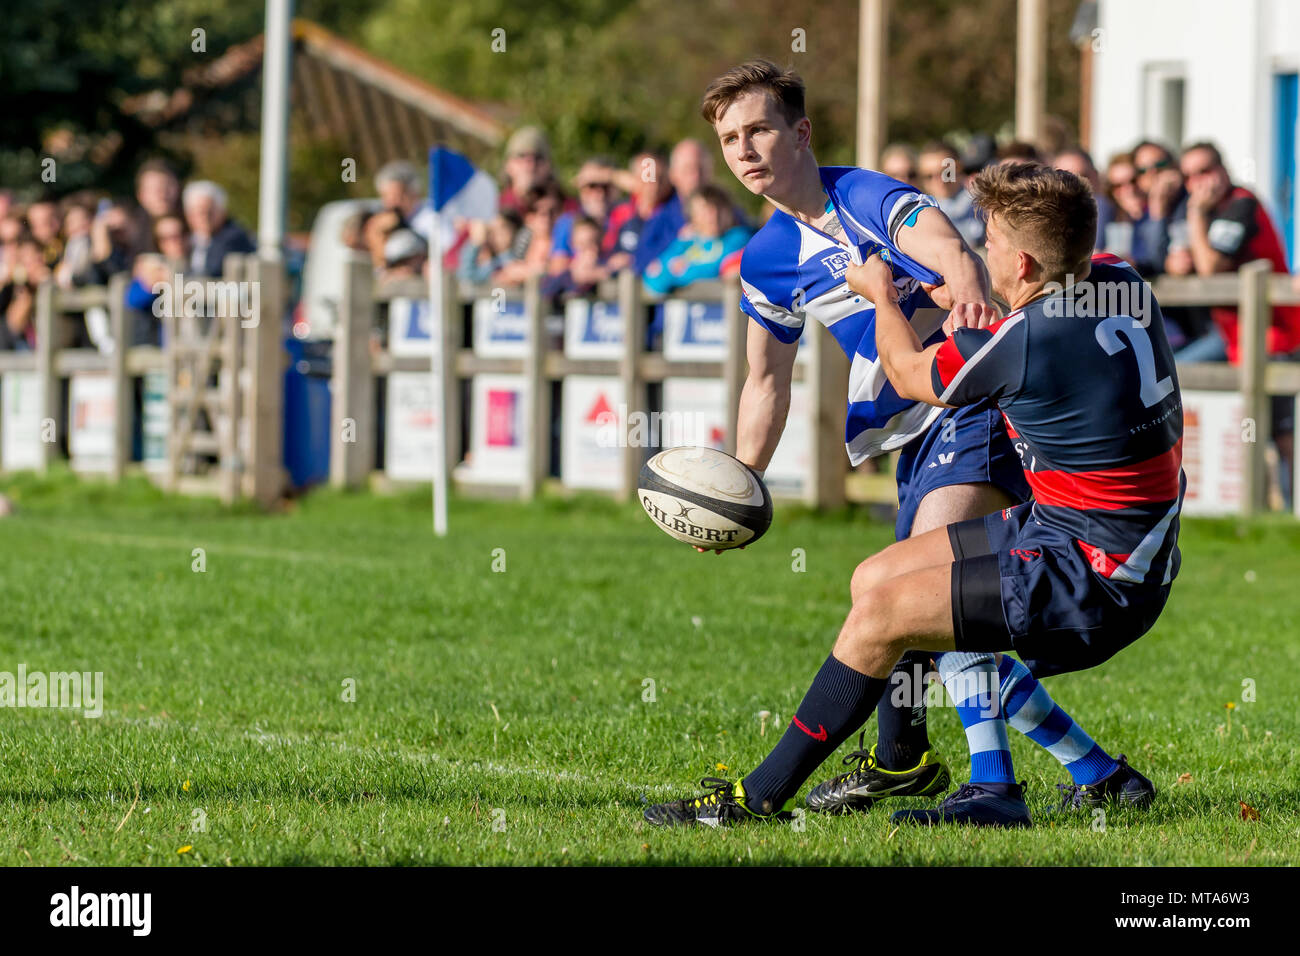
(1227, 51)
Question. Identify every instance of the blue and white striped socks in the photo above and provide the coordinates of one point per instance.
(1029, 708)
(972, 682)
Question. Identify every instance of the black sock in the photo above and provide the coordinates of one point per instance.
(839, 701)
(900, 719)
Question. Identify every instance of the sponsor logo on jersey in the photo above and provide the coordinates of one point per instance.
(837, 263)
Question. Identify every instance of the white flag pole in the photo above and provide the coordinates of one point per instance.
(437, 375)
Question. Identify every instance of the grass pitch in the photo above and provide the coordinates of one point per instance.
(521, 715)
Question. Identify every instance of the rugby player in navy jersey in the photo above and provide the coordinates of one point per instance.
(1083, 373)
(955, 464)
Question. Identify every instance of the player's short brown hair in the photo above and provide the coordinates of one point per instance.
(785, 87)
(1050, 211)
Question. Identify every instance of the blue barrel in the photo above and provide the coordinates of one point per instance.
(307, 412)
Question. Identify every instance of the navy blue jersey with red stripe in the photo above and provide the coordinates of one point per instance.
(1086, 380)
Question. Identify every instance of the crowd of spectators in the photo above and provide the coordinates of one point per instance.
(664, 217)
(1166, 214)
(86, 237)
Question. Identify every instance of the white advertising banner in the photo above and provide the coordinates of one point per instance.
(498, 413)
(500, 328)
(20, 426)
(156, 422)
(697, 332)
(694, 414)
(408, 430)
(592, 330)
(592, 432)
(1213, 452)
(91, 417)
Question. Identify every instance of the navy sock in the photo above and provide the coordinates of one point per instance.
(839, 701)
(902, 735)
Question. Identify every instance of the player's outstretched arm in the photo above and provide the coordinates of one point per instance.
(934, 242)
(906, 363)
(765, 397)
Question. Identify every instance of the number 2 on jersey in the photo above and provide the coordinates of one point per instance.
(1108, 336)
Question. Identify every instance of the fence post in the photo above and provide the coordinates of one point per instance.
(735, 367)
(632, 310)
(171, 359)
(352, 429)
(828, 384)
(537, 431)
(46, 349)
(228, 385)
(1254, 317)
(123, 406)
(264, 479)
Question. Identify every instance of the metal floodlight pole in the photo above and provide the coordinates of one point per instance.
(273, 183)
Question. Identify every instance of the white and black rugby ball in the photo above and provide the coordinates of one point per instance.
(704, 497)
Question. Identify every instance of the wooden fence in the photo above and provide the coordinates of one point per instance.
(195, 355)
(244, 355)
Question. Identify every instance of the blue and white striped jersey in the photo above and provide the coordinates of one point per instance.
(791, 271)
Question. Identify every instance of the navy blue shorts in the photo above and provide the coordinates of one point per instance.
(964, 446)
(1020, 585)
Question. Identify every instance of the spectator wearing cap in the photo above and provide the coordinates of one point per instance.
(213, 234)
(596, 191)
(941, 177)
(527, 164)
(405, 253)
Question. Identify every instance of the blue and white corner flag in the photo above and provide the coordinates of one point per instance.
(456, 191)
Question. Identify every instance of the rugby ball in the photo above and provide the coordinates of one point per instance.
(704, 497)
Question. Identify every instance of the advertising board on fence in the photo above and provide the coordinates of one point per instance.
(592, 330)
(497, 439)
(592, 435)
(694, 414)
(20, 421)
(1214, 452)
(500, 328)
(408, 431)
(697, 332)
(92, 415)
(155, 416)
(409, 330)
